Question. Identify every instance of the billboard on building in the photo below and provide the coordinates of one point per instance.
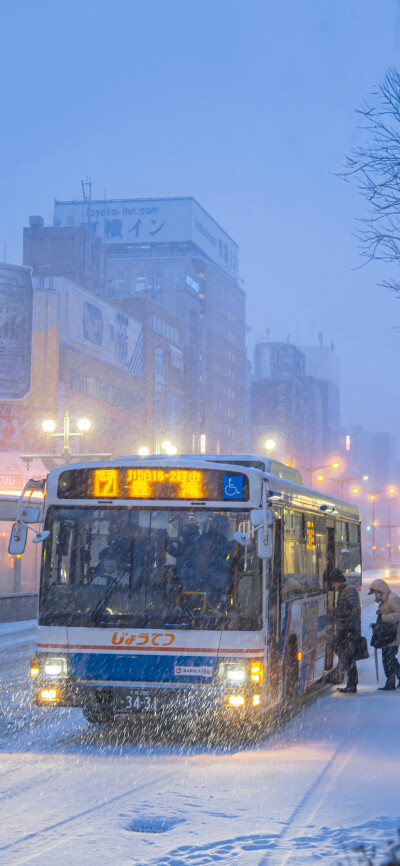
(16, 325)
(146, 221)
(102, 331)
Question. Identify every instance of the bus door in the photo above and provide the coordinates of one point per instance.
(273, 614)
(330, 565)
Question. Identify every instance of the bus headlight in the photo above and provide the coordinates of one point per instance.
(236, 675)
(55, 667)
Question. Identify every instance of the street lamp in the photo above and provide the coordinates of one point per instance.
(320, 477)
(343, 481)
(49, 427)
(270, 444)
(168, 447)
(143, 451)
(372, 496)
(83, 425)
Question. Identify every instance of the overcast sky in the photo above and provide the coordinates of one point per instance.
(249, 106)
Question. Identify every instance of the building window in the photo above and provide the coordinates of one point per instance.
(176, 358)
(165, 329)
(93, 387)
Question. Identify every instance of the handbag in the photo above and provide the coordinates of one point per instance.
(361, 649)
(383, 634)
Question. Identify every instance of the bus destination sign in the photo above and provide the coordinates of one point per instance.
(153, 483)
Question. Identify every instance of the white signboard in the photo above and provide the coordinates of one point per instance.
(169, 220)
(16, 326)
(102, 331)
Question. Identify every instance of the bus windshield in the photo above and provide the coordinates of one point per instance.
(132, 567)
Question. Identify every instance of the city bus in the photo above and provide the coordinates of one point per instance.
(191, 586)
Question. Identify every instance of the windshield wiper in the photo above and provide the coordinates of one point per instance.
(99, 607)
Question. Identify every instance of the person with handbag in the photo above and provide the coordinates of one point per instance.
(386, 634)
(347, 620)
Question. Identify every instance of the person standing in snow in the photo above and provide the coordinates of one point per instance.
(347, 620)
(388, 612)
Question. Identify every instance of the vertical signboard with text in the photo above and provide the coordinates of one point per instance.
(16, 326)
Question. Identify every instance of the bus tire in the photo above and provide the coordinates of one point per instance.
(291, 671)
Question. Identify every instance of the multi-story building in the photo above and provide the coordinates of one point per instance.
(173, 253)
(373, 454)
(101, 362)
(292, 405)
(70, 251)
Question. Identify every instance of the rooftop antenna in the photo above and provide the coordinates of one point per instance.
(86, 190)
(87, 199)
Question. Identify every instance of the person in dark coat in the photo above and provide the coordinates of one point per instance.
(347, 620)
(388, 612)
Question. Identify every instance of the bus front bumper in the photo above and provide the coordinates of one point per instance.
(151, 699)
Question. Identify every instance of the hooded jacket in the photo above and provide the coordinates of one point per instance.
(348, 612)
(389, 607)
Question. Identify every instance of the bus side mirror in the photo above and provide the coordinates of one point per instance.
(30, 514)
(242, 538)
(17, 544)
(41, 536)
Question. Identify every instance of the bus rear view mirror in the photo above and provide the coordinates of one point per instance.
(18, 538)
(41, 536)
(242, 538)
(30, 514)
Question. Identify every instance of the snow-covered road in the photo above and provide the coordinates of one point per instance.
(71, 793)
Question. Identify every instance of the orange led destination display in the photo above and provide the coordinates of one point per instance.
(148, 482)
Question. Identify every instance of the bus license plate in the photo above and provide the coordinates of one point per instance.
(136, 700)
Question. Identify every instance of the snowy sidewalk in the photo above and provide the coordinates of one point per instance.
(14, 633)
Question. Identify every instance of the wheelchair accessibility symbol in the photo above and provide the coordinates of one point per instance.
(232, 487)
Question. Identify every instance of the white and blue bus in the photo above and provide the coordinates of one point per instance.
(194, 586)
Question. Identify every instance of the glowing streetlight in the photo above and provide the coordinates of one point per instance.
(49, 426)
(84, 425)
(270, 444)
(143, 451)
(390, 491)
(168, 447)
(320, 477)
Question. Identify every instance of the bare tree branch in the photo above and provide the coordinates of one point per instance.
(374, 167)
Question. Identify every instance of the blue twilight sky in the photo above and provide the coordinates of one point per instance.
(249, 106)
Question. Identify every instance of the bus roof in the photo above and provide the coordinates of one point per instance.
(285, 490)
(254, 461)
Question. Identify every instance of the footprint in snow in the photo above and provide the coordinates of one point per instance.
(152, 824)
